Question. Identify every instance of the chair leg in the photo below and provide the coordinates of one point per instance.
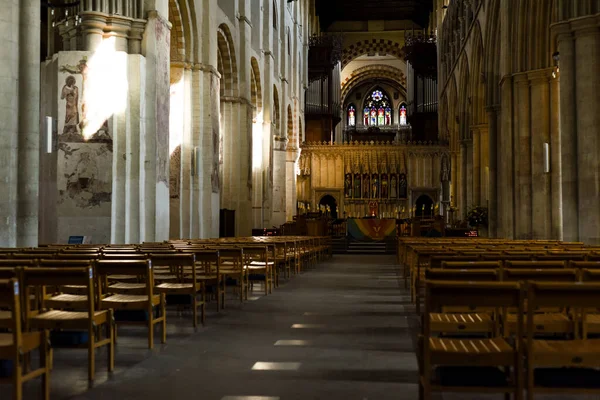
(91, 355)
(110, 333)
(163, 313)
(18, 379)
(195, 310)
(203, 311)
(151, 330)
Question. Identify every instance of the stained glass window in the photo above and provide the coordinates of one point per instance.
(377, 109)
(351, 115)
(403, 114)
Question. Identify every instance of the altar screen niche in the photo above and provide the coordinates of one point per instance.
(348, 186)
(366, 186)
(384, 186)
(403, 189)
(375, 187)
(357, 186)
(393, 186)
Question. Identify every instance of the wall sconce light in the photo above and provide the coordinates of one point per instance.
(195, 161)
(556, 70)
(546, 158)
(51, 127)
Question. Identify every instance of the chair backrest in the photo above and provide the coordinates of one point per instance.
(57, 263)
(471, 275)
(481, 294)
(436, 261)
(561, 257)
(178, 261)
(234, 256)
(125, 256)
(12, 263)
(141, 268)
(256, 253)
(534, 264)
(542, 275)
(44, 277)
(590, 275)
(10, 298)
(577, 264)
(78, 256)
(471, 264)
(209, 261)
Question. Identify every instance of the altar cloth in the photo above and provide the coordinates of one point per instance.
(371, 229)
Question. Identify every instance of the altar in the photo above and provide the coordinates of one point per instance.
(371, 229)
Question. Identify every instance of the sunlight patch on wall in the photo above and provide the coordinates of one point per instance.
(106, 86)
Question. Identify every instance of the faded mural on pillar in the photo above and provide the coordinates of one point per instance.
(163, 85)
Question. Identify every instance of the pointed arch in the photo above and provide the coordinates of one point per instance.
(492, 54)
(464, 98)
(276, 111)
(226, 62)
(477, 94)
(255, 87)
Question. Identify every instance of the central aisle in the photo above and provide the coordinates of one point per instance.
(340, 331)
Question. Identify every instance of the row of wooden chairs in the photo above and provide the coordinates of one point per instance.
(517, 352)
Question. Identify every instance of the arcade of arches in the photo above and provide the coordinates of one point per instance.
(144, 119)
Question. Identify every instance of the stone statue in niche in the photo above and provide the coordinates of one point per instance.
(70, 93)
(384, 186)
(357, 186)
(348, 186)
(445, 170)
(375, 187)
(393, 187)
(366, 186)
(403, 190)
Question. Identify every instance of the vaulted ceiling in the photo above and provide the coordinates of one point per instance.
(415, 11)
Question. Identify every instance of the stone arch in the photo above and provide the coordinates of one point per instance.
(360, 75)
(226, 62)
(477, 115)
(534, 47)
(276, 112)
(492, 54)
(183, 31)
(255, 88)
(369, 46)
(464, 98)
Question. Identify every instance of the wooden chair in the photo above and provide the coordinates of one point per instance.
(484, 352)
(73, 316)
(258, 263)
(208, 270)
(546, 320)
(532, 265)
(463, 319)
(471, 265)
(188, 283)
(578, 353)
(141, 302)
(232, 266)
(16, 344)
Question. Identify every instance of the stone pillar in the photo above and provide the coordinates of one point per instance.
(587, 86)
(470, 176)
(523, 195)
(568, 134)
(154, 142)
(555, 163)
(19, 130)
(92, 27)
(29, 123)
(506, 150)
(493, 168)
(454, 180)
(540, 128)
(462, 199)
(476, 167)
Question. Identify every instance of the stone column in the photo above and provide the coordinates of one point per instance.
(568, 133)
(555, 163)
(454, 179)
(523, 195)
(154, 141)
(29, 123)
(506, 150)
(493, 168)
(462, 199)
(587, 86)
(476, 166)
(540, 125)
(9, 115)
(469, 175)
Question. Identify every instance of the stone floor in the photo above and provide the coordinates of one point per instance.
(344, 330)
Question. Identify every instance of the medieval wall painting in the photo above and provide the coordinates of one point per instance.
(73, 79)
(216, 140)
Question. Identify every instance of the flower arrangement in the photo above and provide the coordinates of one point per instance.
(477, 216)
